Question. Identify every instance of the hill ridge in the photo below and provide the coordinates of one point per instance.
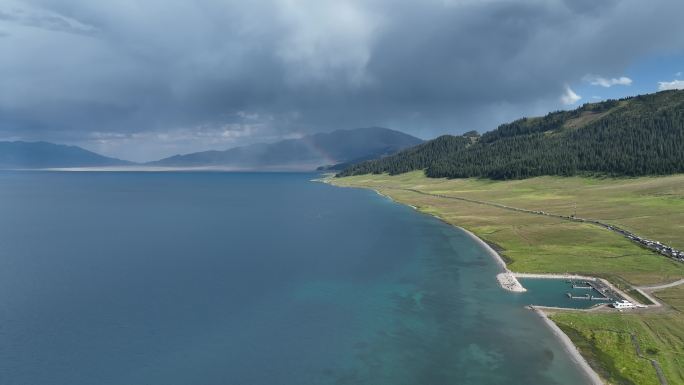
(640, 135)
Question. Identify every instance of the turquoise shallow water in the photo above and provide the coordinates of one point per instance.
(229, 278)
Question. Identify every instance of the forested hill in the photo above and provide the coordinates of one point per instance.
(642, 135)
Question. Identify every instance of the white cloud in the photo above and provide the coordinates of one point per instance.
(21, 14)
(678, 74)
(604, 82)
(325, 39)
(569, 97)
(673, 85)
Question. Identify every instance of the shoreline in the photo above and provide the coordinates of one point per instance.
(508, 281)
(570, 348)
(563, 338)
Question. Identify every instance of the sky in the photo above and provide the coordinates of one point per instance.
(141, 80)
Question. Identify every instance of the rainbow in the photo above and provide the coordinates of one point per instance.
(317, 149)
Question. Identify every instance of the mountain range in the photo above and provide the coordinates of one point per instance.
(306, 153)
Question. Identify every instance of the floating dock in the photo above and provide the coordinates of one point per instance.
(587, 297)
(588, 285)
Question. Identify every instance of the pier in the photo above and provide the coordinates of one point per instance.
(603, 293)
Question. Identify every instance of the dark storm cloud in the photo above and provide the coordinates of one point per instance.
(144, 79)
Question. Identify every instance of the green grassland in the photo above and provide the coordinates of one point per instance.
(652, 207)
(649, 206)
(605, 340)
(674, 297)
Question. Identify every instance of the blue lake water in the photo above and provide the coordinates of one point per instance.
(250, 279)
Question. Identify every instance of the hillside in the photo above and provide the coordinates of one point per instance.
(642, 135)
(306, 153)
(49, 155)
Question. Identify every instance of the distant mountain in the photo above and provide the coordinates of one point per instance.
(306, 153)
(641, 135)
(49, 155)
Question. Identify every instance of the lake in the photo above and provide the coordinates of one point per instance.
(250, 279)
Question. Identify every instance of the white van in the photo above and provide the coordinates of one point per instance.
(624, 304)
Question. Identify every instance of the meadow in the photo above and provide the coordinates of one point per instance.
(650, 207)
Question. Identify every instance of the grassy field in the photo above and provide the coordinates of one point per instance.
(674, 297)
(650, 207)
(538, 244)
(605, 339)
